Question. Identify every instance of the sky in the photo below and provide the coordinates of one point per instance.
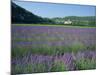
(51, 10)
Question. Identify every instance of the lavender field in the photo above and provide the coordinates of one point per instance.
(37, 49)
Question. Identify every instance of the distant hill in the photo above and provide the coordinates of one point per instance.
(77, 20)
(21, 15)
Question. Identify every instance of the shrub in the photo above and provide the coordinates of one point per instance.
(58, 66)
(84, 64)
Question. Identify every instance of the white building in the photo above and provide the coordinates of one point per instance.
(68, 22)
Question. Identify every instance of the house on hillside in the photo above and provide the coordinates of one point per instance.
(68, 22)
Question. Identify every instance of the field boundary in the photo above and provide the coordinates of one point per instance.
(54, 25)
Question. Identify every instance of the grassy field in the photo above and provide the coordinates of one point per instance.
(49, 48)
(54, 25)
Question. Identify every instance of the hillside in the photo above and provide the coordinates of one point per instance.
(77, 20)
(21, 15)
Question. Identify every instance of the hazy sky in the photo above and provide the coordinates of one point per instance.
(57, 10)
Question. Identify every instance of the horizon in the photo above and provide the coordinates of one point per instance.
(51, 10)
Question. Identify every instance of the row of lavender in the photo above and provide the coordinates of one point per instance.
(49, 48)
(52, 36)
(41, 63)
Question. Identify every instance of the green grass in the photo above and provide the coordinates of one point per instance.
(54, 25)
(29, 68)
(58, 66)
(49, 50)
(85, 64)
(39, 67)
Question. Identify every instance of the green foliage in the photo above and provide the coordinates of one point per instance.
(76, 46)
(84, 64)
(18, 69)
(50, 50)
(29, 68)
(77, 20)
(19, 51)
(58, 66)
(45, 50)
(39, 67)
(92, 47)
(21, 15)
